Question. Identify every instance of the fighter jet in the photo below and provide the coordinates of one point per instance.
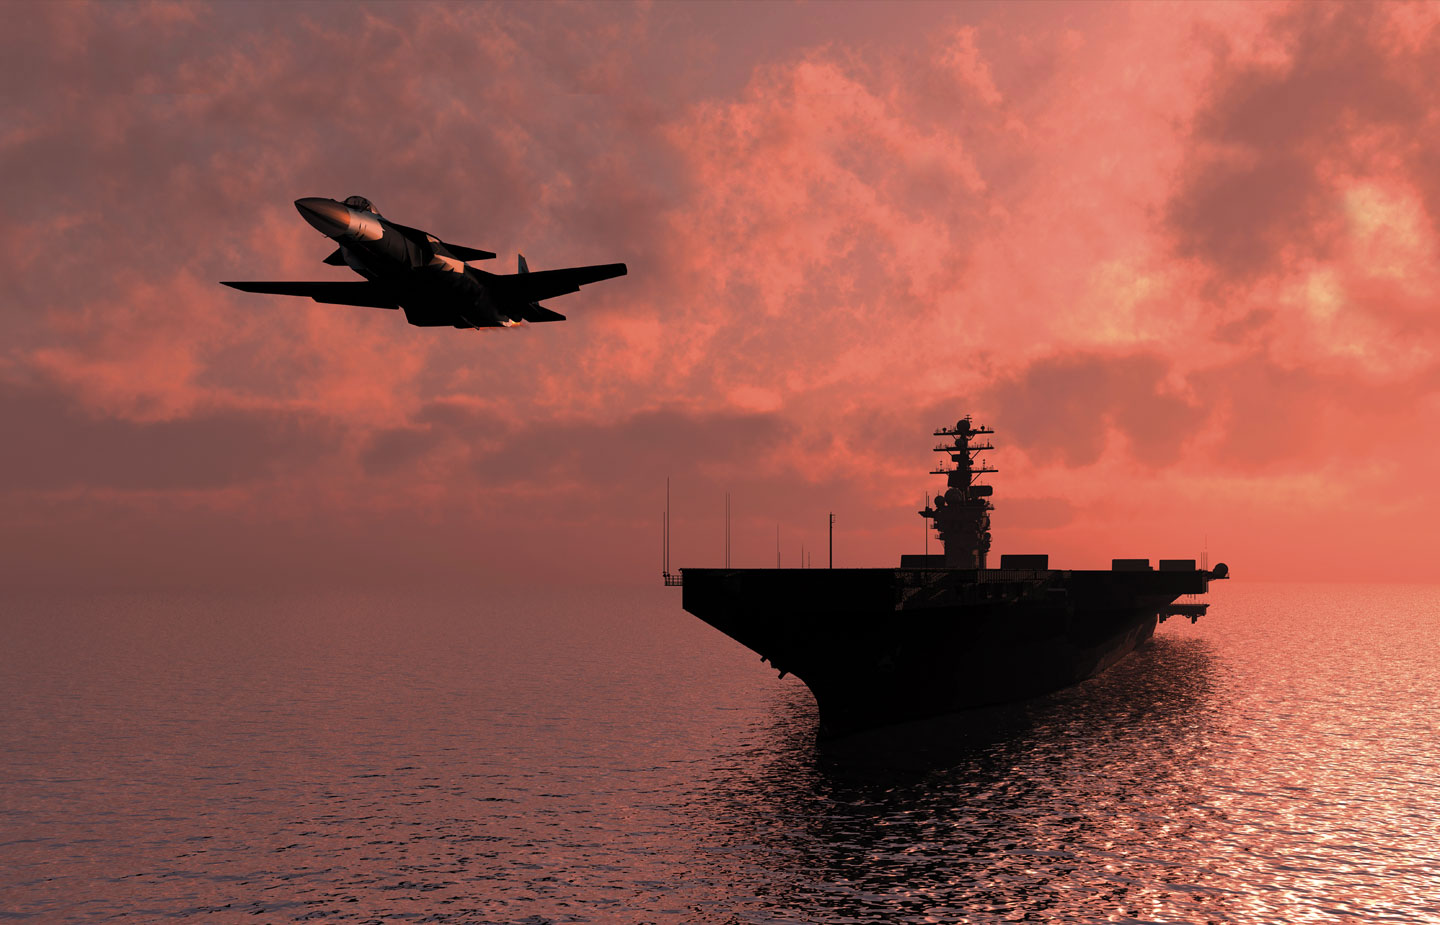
(410, 269)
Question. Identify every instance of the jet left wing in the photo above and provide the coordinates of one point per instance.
(546, 284)
(365, 294)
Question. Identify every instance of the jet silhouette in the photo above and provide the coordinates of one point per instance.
(410, 269)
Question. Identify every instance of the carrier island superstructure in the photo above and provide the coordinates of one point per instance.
(944, 633)
(961, 514)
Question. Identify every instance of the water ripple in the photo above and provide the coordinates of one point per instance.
(604, 759)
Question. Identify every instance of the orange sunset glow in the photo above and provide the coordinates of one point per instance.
(1182, 257)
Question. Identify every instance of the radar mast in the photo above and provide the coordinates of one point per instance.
(961, 515)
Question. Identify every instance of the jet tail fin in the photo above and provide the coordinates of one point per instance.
(534, 311)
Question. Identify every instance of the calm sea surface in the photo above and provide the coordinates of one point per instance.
(604, 757)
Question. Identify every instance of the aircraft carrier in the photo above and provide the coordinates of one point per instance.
(943, 633)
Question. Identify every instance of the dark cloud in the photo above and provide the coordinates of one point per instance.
(636, 452)
(1342, 69)
(641, 449)
(393, 448)
(1243, 218)
(905, 430)
(51, 443)
(1248, 325)
(1063, 408)
(1266, 147)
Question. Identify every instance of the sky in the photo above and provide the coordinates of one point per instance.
(1182, 257)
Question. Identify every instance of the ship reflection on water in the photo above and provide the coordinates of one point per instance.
(1058, 800)
(1283, 766)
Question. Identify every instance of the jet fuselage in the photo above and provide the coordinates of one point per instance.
(434, 287)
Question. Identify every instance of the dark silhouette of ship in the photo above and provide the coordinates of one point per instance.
(943, 633)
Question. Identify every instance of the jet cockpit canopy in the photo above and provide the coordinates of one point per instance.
(360, 202)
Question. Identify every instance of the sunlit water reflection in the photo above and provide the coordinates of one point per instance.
(602, 757)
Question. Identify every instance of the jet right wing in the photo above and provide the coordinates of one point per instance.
(546, 284)
(365, 294)
(458, 251)
(466, 254)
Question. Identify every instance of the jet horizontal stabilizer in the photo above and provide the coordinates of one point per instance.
(461, 252)
(364, 294)
(535, 285)
(534, 313)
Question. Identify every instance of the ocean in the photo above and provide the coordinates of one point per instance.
(558, 755)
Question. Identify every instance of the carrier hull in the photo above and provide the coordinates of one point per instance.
(883, 646)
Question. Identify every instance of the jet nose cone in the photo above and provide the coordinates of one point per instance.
(329, 217)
